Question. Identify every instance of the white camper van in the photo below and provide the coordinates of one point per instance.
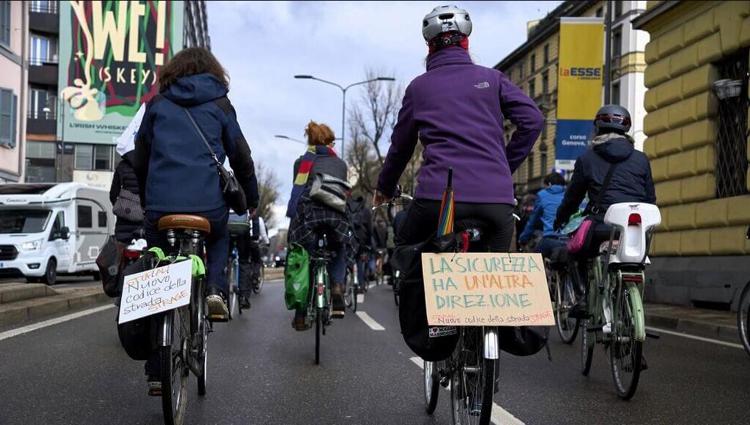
(46, 229)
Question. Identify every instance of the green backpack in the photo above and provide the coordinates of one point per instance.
(296, 277)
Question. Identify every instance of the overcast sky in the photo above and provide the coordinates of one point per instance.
(264, 44)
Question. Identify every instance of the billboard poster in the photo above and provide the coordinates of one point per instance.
(110, 53)
(579, 90)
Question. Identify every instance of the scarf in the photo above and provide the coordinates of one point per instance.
(606, 137)
(303, 175)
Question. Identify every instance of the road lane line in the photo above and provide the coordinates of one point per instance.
(369, 321)
(499, 415)
(697, 338)
(360, 298)
(30, 328)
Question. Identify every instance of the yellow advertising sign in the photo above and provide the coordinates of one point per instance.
(579, 91)
(486, 289)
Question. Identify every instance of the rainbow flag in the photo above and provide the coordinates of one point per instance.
(447, 208)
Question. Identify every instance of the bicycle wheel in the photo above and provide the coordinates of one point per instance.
(174, 369)
(232, 274)
(261, 279)
(625, 352)
(588, 338)
(202, 349)
(318, 329)
(431, 386)
(743, 318)
(472, 381)
(565, 298)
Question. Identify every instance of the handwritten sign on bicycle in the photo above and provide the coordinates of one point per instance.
(486, 289)
(155, 291)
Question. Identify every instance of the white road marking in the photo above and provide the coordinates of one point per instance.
(499, 415)
(697, 338)
(369, 321)
(30, 328)
(360, 298)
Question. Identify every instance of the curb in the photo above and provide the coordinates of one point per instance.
(23, 312)
(693, 327)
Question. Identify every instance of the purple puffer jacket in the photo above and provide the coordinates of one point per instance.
(456, 110)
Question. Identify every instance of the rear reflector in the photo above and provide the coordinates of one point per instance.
(131, 255)
(634, 220)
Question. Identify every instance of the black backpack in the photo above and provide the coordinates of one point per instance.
(435, 343)
(138, 337)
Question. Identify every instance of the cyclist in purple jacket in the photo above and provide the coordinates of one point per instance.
(456, 110)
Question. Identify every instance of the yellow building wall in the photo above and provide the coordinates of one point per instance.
(681, 126)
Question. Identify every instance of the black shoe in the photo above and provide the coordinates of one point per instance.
(217, 306)
(579, 311)
(154, 386)
(339, 307)
(245, 302)
(644, 365)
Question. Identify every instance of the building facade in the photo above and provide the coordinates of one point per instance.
(697, 128)
(13, 75)
(534, 67)
(51, 154)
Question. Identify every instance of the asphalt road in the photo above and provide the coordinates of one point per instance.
(261, 371)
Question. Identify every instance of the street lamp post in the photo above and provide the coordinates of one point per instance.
(281, 136)
(343, 103)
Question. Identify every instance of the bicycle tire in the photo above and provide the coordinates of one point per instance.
(567, 328)
(173, 365)
(354, 299)
(431, 386)
(261, 279)
(318, 330)
(463, 406)
(232, 271)
(202, 374)
(743, 318)
(588, 340)
(625, 346)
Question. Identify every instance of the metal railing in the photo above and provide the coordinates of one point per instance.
(44, 7)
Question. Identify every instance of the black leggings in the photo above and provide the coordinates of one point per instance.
(422, 217)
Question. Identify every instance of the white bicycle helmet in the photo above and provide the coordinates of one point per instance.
(444, 19)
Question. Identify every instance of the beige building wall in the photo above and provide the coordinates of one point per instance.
(13, 78)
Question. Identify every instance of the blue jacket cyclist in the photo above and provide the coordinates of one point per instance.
(545, 209)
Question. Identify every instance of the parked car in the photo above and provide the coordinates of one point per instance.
(51, 229)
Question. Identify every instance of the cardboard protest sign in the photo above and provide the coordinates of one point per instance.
(154, 291)
(486, 289)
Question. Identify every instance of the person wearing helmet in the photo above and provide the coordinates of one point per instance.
(456, 110)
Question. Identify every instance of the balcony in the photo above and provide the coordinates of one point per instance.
(43, 71)
(46, 21)
(40, 125)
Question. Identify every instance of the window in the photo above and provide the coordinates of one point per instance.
(38, 100)
(544, 131)
(40, 162)
(532, 88)
(5, 22)
(84, 157)
(44, 6)
(8, 117)
(42, 50)
(599, 12)
(520, 70)
(57, 226)
(617, 43)
(618, 8)
(101, 217)
(85, 217)
(545, 82)
(543, 159)
(731, 144)
(615, 93)
(546, 54)
(533, 63)
(102, 157)
(530, 167)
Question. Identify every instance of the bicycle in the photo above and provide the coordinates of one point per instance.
(562, 282)
(183, 337)
(236, 292)
(352, 288)
(743, 313)
(615, 315)
(319, 307)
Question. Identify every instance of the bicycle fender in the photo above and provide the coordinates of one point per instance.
(636, 305)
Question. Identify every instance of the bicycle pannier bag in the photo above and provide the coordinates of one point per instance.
(296, 277)
(330, 191)
(432, 343)
(128, 206)
(108, 262)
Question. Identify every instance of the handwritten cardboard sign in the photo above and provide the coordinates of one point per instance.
(486, 289)
(154, 291)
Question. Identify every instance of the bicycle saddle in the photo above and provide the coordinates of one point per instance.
(184, 221)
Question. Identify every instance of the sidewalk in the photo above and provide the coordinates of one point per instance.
(701, 322)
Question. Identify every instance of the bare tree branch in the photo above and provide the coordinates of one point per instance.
(268, 189)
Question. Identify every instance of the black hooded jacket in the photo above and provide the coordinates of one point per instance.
(630, 182)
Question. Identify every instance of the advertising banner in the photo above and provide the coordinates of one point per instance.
(110, 53)
(579, 89)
